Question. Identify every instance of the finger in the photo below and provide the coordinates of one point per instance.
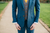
(18, 28)
(31, 26)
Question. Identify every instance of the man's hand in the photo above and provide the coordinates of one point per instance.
(32, 26)
(17, 26)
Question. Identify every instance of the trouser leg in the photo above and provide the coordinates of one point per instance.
(22, 30)
(30, 31)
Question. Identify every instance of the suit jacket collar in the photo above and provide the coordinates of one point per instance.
(30, 1)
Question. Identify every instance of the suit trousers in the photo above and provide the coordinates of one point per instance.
(25, 28)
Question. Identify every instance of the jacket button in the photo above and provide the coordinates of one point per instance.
(23, 15)
(25, 18)
(23, 9)
(26, 8)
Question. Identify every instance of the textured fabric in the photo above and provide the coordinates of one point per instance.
(26, 7)
(31, 17)
(25, 28)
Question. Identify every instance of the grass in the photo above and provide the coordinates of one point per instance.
(45, 13)
(2, 6)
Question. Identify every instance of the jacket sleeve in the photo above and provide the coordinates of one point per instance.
(37, 8)
(14, 7)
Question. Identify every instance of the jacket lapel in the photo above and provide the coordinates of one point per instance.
(30, 1)
(22, 3)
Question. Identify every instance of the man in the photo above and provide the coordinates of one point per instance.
(25, 19)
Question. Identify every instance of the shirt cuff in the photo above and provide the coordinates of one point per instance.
(15, 22)
(36, 22)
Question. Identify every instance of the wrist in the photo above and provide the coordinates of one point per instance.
(15, 23)
(35, 23)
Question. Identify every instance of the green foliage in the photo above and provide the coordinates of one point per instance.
(1, 2)
(47, 1)
(2, 6)
(45, 13)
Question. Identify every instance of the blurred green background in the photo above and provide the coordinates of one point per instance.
(45, 13)
(2, 6)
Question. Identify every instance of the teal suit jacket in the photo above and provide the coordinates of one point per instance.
(31, 16)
